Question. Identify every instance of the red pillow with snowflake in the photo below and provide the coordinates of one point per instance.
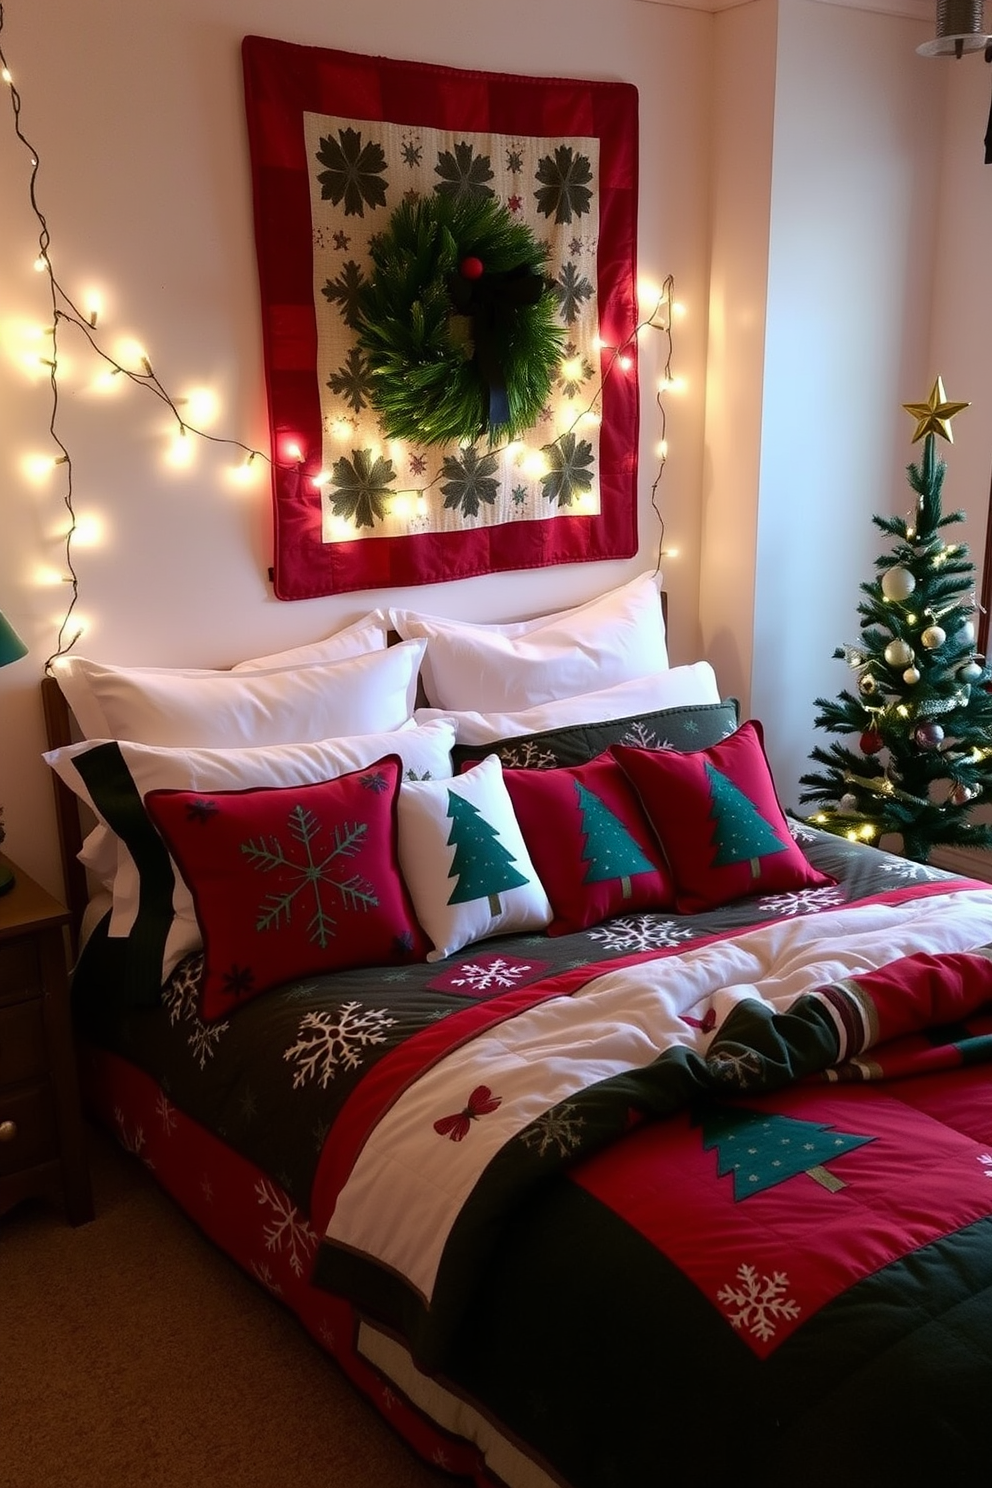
(590, 842)
(718, 818)
(291, 881)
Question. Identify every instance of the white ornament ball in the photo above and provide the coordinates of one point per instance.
(966, 633)
(898, 583)
(933, 637)
(899, 653)
(970, 672)
(911, 676)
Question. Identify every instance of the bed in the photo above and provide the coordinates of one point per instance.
(605, 1125)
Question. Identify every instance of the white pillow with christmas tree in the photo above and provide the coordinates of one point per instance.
(464, 860)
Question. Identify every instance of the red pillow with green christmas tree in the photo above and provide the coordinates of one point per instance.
(590, 842)
(718, 818)
(290, 881)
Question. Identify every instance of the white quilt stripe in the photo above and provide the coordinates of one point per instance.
(409, 1183)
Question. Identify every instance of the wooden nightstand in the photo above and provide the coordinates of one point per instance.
(42, 1143)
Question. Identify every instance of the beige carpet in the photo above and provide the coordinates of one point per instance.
(134, 1355)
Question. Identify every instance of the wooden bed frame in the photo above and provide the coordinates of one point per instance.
(59, 731)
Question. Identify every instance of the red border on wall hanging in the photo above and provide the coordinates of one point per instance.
(298, 95)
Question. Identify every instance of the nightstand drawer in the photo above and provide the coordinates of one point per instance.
(20, 972)
(23, 1054)
(28, 1129)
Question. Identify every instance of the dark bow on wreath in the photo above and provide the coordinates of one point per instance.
(491, 301)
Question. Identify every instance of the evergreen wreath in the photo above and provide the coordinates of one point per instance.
(457, 322)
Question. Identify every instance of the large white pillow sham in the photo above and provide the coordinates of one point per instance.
(116, 790)
(371, 633)
(281, 705)
(463, 859)
(673, 688)
(610, 639)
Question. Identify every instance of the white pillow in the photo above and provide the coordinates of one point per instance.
(506, 667)
(127, 772)
(371, 633)
(674, 688)
(464, 862)
(284, 705)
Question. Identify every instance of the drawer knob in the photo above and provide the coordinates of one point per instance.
(8, 1131)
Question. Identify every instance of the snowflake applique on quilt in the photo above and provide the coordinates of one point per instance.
(488, 976)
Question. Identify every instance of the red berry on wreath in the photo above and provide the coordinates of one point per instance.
(471, 268)
(871, 741)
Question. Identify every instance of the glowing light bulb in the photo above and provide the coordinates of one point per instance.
(625, 362)
(89, 531)
(244, 474)
(130, 353)
(74, 627)
(292, 451)
(180, 451)
(203, 405)
(46, 577)
(40, 264)
(38, 468)
(534, 464)
(5, 74)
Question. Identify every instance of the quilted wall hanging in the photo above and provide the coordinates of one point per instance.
(364, 165)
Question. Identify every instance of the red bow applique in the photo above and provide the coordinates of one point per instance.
(480, 1103)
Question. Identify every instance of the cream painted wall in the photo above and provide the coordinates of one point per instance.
(852, 244)
(826, 252)
(136, 112)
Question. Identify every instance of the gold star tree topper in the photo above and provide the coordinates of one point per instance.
(934, 416)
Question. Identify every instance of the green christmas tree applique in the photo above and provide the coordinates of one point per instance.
(482, 865)
(610, 851)
(762, 1149)
(740, 832)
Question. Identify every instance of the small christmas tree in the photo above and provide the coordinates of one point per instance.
(482, 865)
(922, 714)
(610, 851)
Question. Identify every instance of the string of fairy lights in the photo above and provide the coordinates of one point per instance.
(137, 370)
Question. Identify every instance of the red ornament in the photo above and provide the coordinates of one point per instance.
(471, 268)
(871, 741)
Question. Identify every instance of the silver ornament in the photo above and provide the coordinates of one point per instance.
(899, 653)
(911, 676)
(898, 583)
(970, 672)
(933, 637)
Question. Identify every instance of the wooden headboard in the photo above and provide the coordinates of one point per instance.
(59, 731)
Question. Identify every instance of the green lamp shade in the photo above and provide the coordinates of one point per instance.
(12, 648)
